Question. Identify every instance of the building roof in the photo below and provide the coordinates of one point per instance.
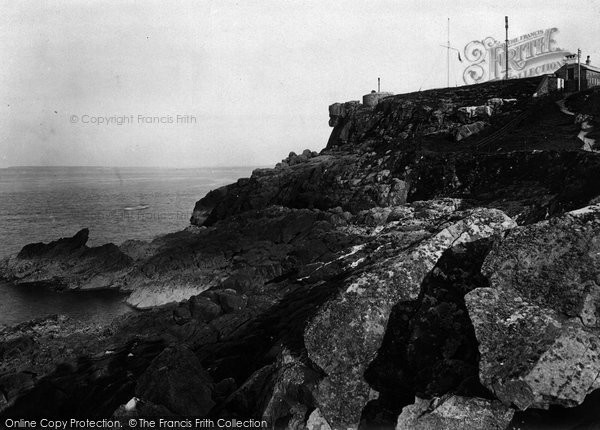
(583, 66)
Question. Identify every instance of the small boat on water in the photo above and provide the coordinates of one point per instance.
(136, 208)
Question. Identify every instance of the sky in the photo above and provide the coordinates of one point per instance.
(229, 83)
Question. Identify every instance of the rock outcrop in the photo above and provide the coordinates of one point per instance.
(67, 263)
(176, 380)
(538, 322)
(346, 334)
(437, 113)
(397, 279)
(454, 413)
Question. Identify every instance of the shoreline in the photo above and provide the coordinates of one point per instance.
(377, 282)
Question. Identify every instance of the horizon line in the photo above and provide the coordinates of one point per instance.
(135, 167)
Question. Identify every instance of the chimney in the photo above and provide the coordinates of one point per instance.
(571, 59)
(588, 61)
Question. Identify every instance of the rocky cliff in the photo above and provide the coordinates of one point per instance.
(435, 266)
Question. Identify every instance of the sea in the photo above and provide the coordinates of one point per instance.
(41, 204)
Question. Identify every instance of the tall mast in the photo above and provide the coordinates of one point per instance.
(448, 48)
(448, 56)
(578, 69)
(506, 45)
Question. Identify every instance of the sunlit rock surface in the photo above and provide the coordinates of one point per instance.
(347, 333)
(538, 322)
(454, 413)
(333, 290)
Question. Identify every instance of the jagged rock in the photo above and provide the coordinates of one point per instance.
(316, 421)
(203, 308)
(244, 253)
(254, 245)
(468, 113)
(338, 112)
(291, 160)
(16, 346)
(527, 184)
(224, 388)
(334, 253)
(240, 282)
(12, 385)
(22, 343)
(291, 398)
(583, 118)
(430, 113)
(67, 263)
(429, 347)
(175, 379)
(584, 416)
(203, 209)
(454, 413)
(182, 314)
(64, 246)
(251, 399)
(467, 130)
(538, 322)
(346, 333)
(278, 393)
(195, 334)
(138, 249)
(496, 102)
(231, 301)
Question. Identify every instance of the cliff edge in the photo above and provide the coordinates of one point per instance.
(435, 266)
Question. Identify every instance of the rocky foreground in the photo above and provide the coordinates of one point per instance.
(437, 266)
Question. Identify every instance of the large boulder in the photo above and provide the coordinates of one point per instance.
(429, 348)
(468, 130)
(291, 399)
(345, 335)
(538, 324)
(203, 308)
(455, 413)
(176, 380)
(252, 398)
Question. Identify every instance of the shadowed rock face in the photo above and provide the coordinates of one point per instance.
(323, 182)
(176, 380)
(538, 322)
(329, 256)
(436, 113)
(429, 347)
(527, 185)
(397, 278)
(61, 247)
(399, 152)
(67, 263)
(345, 335)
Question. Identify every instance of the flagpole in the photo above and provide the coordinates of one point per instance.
(506, 45)
(448, 56)
(448, 48)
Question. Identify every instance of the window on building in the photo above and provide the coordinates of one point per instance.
(571, 74)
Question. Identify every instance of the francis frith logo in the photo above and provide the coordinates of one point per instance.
(531, 54)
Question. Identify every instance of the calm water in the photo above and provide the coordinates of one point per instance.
(40, 204)
(18, 304)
